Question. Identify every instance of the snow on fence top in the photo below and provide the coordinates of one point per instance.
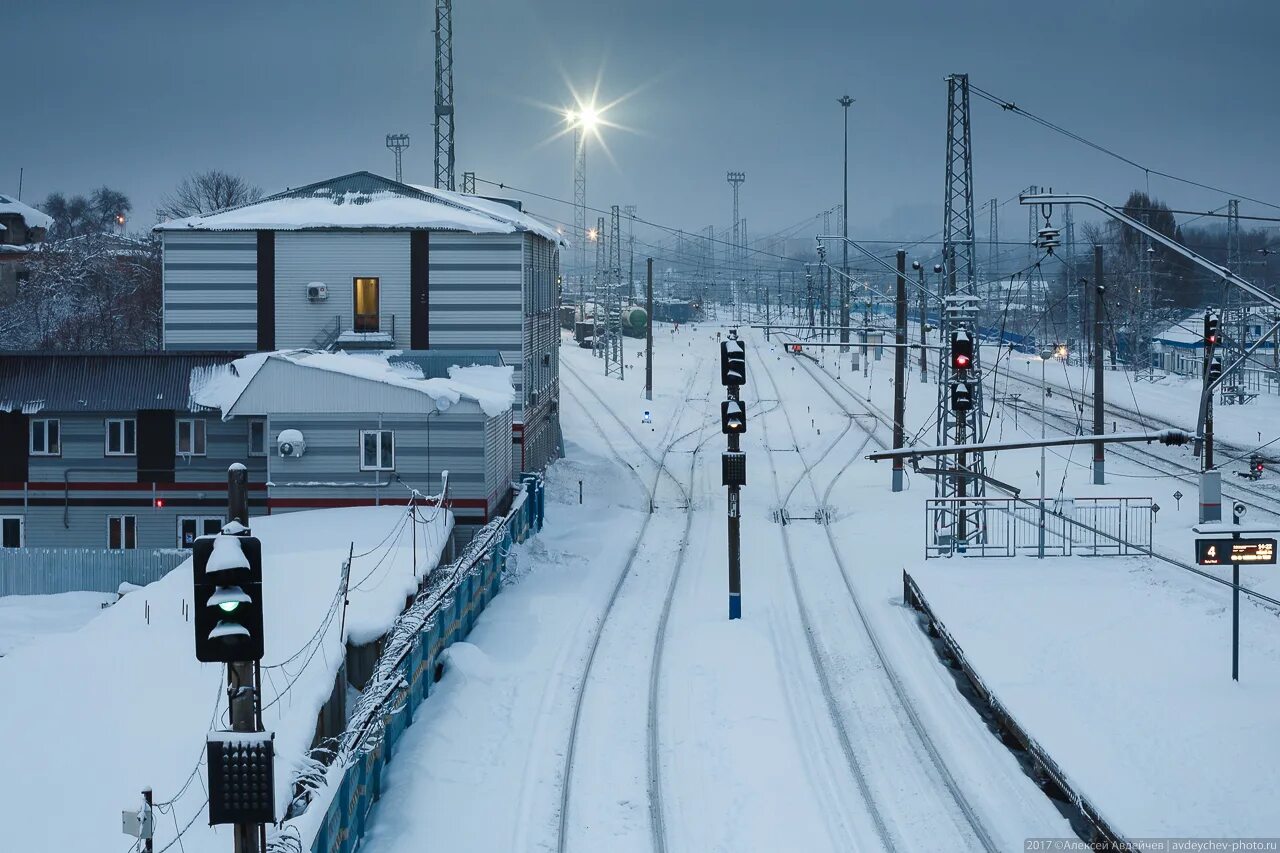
(488, 385)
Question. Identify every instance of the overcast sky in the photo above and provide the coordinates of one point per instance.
(136, 94)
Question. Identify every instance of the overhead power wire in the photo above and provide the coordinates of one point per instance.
(1010, 106)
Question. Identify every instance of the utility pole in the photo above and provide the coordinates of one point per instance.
(580, 198)
(630, 210)
(244, 694)
(735, 180)
(924, 350)
(845, 101)
(1099, 449)
(900, 368)
(648, 344)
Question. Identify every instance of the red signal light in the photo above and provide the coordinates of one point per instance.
(961, 360)
(159, 502)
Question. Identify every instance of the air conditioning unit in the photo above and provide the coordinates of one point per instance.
(317, 291)
(291, 444)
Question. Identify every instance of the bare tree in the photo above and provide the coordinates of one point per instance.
(206, 192)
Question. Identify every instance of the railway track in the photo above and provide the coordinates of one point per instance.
(661, 468)
(970, 832)
(1150, 459)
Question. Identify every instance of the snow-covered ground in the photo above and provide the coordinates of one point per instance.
(90, 718)
(1122, 672)
(24, 618)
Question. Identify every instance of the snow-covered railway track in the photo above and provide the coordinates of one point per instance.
(661, 468)
(971, 833)
(1151, 459)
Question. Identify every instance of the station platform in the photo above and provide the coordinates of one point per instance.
(1118, 673)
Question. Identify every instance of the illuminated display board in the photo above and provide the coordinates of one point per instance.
(1225, 552)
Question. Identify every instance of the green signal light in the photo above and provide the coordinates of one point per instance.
(228, 606)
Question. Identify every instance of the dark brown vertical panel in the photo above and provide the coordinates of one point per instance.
(266, 291)
(419, 290)
(157, 445)
(14, 444)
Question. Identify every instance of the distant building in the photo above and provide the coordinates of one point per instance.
(1180, 348)
(361, 261)
(22, 228)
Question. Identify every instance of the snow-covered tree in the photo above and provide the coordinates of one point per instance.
(205, 192)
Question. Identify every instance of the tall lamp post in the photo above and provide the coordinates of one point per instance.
(845, 101)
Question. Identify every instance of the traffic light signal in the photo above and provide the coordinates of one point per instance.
(1256, 462)
(961, 351)
(733, 417)
(1211, 336)
(733, 363)
(1215, 369)
(961, 396)
(227, 572)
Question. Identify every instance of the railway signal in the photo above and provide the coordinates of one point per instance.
(227, 575)
(1215, 369)
(733, 417)
(1211, 335)
(961, 396)
(961, 351)
(733, 362)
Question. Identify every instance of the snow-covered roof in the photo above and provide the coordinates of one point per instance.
(490, 386)
(499, 209)
(33, 217)
(363, 200)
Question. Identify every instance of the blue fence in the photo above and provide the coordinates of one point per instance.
(442, 615)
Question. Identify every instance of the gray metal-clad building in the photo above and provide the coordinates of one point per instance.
(362, 260)
(125, 451)
(109, 450)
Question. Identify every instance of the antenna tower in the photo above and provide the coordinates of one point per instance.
(959, 316)
(444, 94)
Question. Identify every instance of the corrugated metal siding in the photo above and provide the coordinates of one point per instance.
(84, 458)
(210, 290)
(336, 258)
(282, 386)
(452, 441)
(497, 470)
(476, 298)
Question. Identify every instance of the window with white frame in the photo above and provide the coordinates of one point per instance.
(377, 450)
(46, 438)
(191, 527)
(122, 532)
(11, 531)
(190, 436)
(122, 437)
(257, 438)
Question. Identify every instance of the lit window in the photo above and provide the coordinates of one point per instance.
(11, 531)
(377, 450)
(122, 532)
(257, 438)
(45, 437)
(122, 437)
(365, 300)
(191, 437)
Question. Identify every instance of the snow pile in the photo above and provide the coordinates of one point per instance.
(33, 217)
(489, 385)
(218, 386)
(123, 704)
(26, 618)
(348, 210)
